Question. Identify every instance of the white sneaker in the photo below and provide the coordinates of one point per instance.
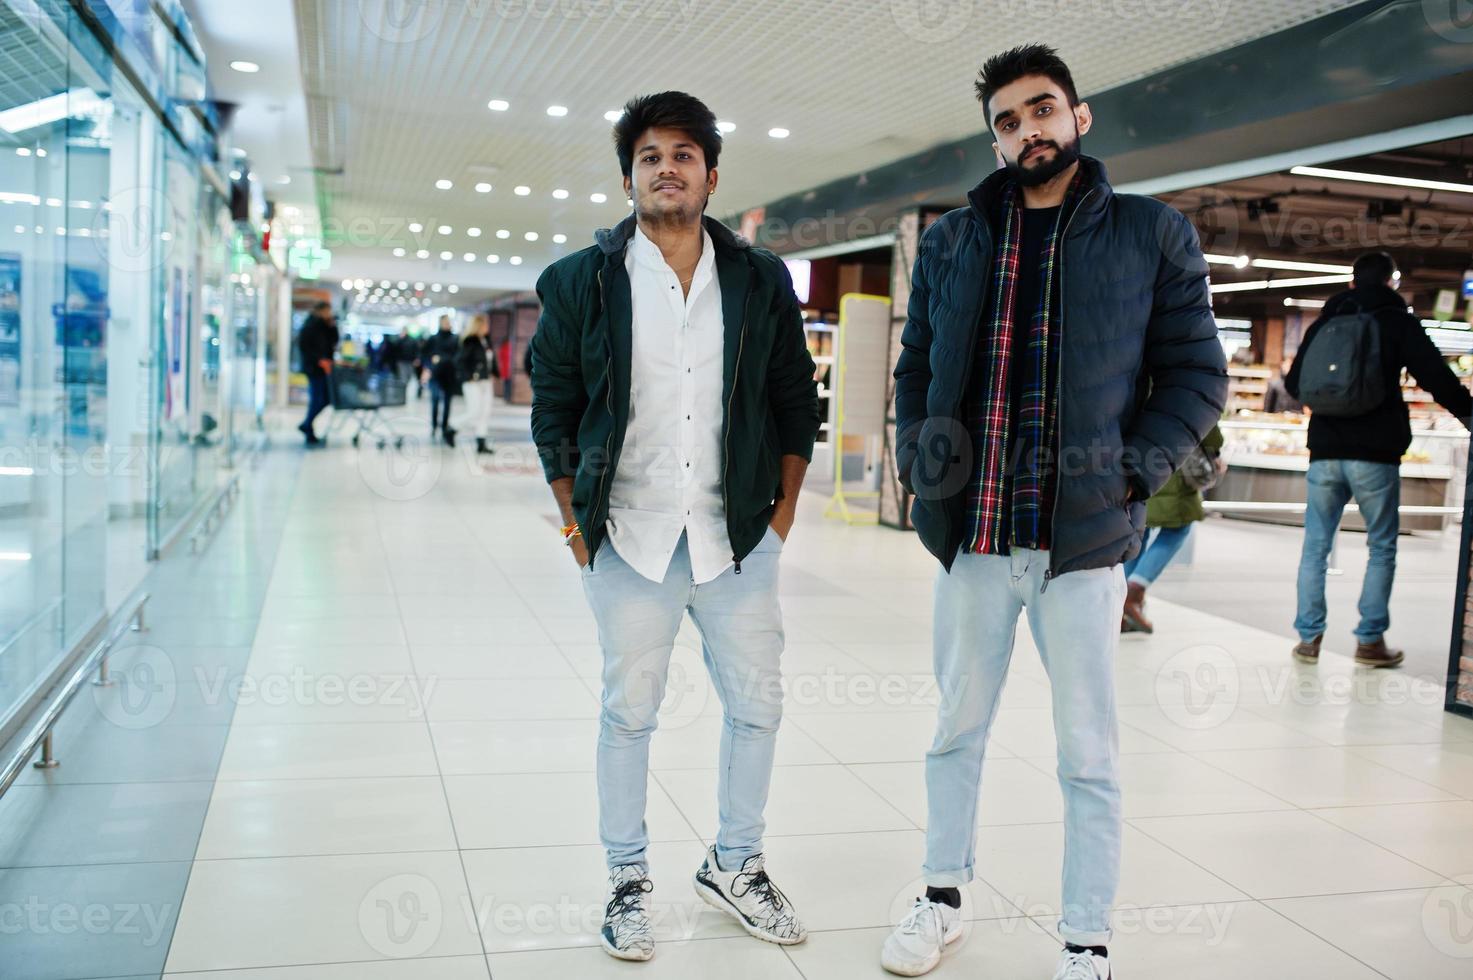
(751, 898)
(1082, 966)
(915, 946)
(626, 933)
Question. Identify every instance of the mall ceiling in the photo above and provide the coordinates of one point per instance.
(397, 99)
(1314, 218)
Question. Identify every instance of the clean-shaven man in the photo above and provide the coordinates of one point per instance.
(675, 411)
(1059, 361)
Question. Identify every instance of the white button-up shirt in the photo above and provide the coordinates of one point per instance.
(669, 475)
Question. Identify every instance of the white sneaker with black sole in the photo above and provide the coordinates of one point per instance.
(1082, 966)
(626, 933)
(751, 898)
(915, 947)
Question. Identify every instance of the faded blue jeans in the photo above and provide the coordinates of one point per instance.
(742, 643)
(1376, 488)
(1076, 625)
(1158, 548)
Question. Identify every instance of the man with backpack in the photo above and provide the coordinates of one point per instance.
(1348, 373)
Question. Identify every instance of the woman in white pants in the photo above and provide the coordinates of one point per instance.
(477, 367)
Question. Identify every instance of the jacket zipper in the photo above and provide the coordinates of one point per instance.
(1059, 408)
(609, 403)
(730, 400)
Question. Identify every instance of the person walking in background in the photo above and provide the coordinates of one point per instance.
(1348, 373)
(316, 342)
(1277, 398)
(438, 358)
(1030, 490)
(1170, 514)
(477, 368)
(676, 462)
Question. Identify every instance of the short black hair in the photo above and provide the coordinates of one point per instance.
(669, 110)
(321, 304)
(1020, 62)
(1373, 269)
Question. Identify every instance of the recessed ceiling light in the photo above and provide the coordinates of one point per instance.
(297, 230)
(454, 288)
(483, 188)
(597, 198)
(522, 190)
(347, 284)
(725, 126)
(419, 287)
(234, 174)
(557, 110)
(531, 236)
(469, 256)
(283, 180)
(251, 177)
(613, 115)
(247, 67)
(444, 229)
(436, 288)
(423, 253)
(398, 253)
(559, 239)
(778, 133)
(498, 105)
(493, 258)
(560, 194)
(40, 151)
(502, 233)
(415, 227)
(446, 256)
(516, 260)
(22, 151)
(403, 284)
(473, 232)
(443, 184)
(383, 284)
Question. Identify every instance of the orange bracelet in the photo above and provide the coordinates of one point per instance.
(571, 530)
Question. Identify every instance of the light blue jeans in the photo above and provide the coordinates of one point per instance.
(1159, 547)
(1076, 625)
(742, 642)
(1376, 487)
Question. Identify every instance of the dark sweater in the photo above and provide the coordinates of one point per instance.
(1383, 434)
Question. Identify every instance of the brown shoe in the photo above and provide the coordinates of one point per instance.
(1376, 655)
(1308, 652)
(1135, 615)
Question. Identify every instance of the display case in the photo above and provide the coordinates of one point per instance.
(1268, 456)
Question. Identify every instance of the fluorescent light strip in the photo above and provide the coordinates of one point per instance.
(15, 556)
(1301, 266)
(1304, 304)
(1364, 178)
(1255, 284)
(17, 471)
(1447, 325)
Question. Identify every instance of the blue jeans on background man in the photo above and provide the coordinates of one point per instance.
(317, 400)
(1376, 488)
(1159, 546)
(1076, 627)
(742, 641)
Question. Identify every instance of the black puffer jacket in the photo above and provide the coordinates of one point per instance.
(1142, 375)
(1383, 434)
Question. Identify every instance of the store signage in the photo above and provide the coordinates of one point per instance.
(308, 259)
(1447, 301)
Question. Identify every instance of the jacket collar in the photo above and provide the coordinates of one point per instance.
(613, 241)
(986, 198)
(1367, 298)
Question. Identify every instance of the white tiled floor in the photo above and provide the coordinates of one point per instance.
(407, 788)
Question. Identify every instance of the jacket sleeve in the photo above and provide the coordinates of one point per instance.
(1424, 361)
(913, 367)
(559, 397)
(1183, 359)
(792, 391)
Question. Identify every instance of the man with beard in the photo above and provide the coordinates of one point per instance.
(675, 412)
(1059, 361)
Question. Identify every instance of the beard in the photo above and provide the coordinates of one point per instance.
(1063, 158)
(649, 207)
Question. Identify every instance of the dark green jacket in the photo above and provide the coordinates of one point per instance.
(1176, 504)
(581, 368)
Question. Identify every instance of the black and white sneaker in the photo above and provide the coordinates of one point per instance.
(626, 934)
(1082, 966)
(751, 898)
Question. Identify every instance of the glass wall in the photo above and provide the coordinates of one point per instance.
(114, 286)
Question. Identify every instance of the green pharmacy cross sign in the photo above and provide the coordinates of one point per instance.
(308, 258)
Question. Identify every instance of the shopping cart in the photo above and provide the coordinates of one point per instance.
(359, 393)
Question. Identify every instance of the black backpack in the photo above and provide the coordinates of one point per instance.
(1343, 373)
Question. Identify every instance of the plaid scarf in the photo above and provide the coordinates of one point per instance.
(1012, 505)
